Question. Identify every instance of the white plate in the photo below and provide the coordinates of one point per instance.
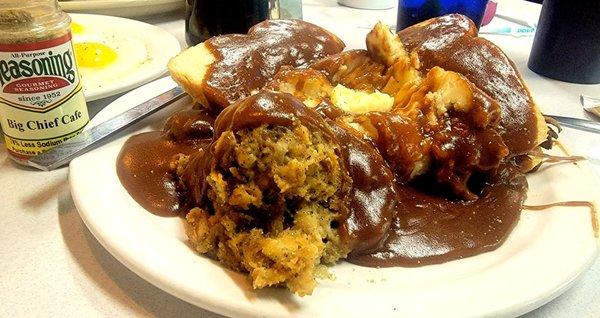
(122, 8)
(545, 253)
(151, 46)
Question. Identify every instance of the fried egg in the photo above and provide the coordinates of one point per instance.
(105, 55)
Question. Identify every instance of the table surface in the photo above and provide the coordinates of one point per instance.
(50, 264)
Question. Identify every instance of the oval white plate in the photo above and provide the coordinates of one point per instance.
(541, 259)
(122, 8)
(151, 45)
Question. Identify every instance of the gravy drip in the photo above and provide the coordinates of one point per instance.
(553, 159)
(372, 200)
(593, 211)
(385, 222)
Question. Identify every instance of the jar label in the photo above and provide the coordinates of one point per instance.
(41, 97)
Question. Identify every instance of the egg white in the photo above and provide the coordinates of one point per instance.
(131, 55)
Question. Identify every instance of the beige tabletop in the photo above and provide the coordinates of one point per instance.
(51, 266)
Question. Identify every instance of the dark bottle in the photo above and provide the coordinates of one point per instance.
(207, 18)
(567, 41)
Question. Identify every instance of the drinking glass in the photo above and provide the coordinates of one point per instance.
(414, 11)
(566, 46)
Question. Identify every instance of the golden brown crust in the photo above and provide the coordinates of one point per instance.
(189, 70)
(227, 68)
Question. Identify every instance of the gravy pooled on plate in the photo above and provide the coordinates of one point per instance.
(382, 157)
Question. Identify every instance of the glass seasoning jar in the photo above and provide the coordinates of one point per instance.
(41, 97)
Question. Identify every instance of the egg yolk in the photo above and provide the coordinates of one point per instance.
(76, 28)
(92, 54)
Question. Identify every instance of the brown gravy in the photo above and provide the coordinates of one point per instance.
(386, 223)
(143, 165)
(429, 229)
(245, 62)
(143, 168)
(554, 159)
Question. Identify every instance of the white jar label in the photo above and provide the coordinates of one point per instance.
(41, 98)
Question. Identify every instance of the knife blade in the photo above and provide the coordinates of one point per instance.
(581, 124)
(90, 138)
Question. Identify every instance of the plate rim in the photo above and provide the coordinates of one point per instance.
(69, 5)
(167, 40)
(211, 303)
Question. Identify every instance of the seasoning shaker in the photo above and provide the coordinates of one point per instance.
(41, 97)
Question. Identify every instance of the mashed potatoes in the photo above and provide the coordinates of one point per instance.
(358, 102)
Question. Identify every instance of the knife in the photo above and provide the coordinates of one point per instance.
(581, 124)
(590, 104)
(90, 138)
